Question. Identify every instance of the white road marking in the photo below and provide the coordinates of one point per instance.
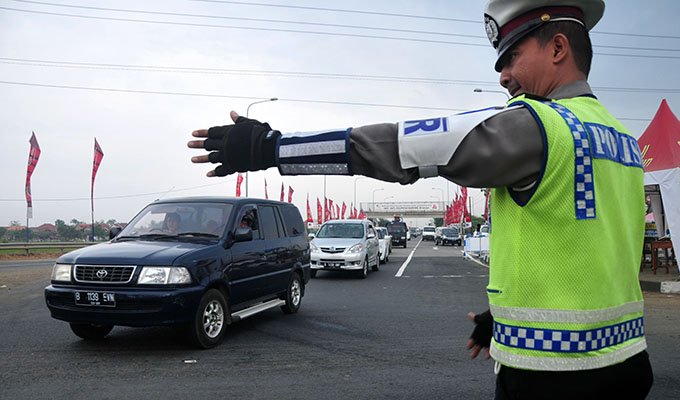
(408, 260)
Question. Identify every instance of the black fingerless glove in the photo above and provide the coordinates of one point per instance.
(248, 145)
(483, 329)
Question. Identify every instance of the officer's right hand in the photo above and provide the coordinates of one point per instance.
(248, 145)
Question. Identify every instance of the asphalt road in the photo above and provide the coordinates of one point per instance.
(385, 337)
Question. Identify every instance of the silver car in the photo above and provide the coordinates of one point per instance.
(385, 243)
(345, 245)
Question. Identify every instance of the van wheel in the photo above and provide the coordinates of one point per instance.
(293, 295)
(364, 269)
(91, 331)
(210, 321)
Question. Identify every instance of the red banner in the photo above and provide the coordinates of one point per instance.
(486, 204)
(330, 209)
(337, 211)
(466, 212)
(33, 156)
(309, 211)
(344, 208)
(98, 156)
(319, 212)
(290, 194)
(266, 196)
(282, 192)
(239, 181)
(361, 215)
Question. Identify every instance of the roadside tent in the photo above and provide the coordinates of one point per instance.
(660, 147)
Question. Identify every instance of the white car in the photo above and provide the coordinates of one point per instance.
(345, 245)
(385, 241)
(428, 233)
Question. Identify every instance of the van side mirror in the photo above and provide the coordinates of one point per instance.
(243, 234)
(114, 231)
(371, 235)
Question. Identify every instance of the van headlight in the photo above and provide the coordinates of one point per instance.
(357, 248)
(314, 248)
(164, 276)
(61, 272)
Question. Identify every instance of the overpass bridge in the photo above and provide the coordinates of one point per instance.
(404, 209)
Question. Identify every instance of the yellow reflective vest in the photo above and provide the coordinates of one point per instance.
(563, 286)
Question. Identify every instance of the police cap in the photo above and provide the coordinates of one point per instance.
(507, 21)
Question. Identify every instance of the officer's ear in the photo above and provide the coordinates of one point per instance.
(561, 48)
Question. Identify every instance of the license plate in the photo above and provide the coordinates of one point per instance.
(334, 265)
(102, 299)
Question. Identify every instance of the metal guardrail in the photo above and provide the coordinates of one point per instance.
(27, 247)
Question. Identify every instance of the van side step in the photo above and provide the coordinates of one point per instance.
(243, 314)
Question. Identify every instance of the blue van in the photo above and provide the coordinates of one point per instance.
(201, 263)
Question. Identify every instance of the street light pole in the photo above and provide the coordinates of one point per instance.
(479, 90)
(355, 189)
(248, 116)
(441, 190)
(373, 202)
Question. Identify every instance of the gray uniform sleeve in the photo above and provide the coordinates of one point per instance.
(505, 150)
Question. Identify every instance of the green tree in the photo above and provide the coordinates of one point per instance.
(67, 232)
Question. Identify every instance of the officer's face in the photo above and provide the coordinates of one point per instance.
(527, 68)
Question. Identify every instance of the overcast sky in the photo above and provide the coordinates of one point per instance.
(141, 75)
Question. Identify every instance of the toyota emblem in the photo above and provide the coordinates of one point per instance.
(101, 274)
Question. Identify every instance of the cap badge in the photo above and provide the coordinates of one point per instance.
(491, 30)
(545, 17)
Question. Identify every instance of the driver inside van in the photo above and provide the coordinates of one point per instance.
(171, 222)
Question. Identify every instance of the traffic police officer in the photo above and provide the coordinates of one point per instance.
(566, 310)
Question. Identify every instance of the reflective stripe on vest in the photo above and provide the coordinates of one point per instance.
(584, 184)
(566, 364)
(566, 316)
(562, 341)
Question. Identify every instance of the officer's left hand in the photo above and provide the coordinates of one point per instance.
(480, 339)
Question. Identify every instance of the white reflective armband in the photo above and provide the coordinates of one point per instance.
(429, 143)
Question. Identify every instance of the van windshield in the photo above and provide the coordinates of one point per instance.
(350, 231)
(174, 220)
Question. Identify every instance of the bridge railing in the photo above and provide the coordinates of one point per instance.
(26, 248)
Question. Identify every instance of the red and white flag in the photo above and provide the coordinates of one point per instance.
(487, 204)
(266, 195)
(290, 194)
(239, 181)
(282, 192)
(33, 156)
(98, 156)
(309, 211)
(344, 208)
(319, 212)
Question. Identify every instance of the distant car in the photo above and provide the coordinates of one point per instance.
(219, 260)
(399, 232)
(414, 232)
(428, 233)
(384, 240)
(448, 236)
(345, 245)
